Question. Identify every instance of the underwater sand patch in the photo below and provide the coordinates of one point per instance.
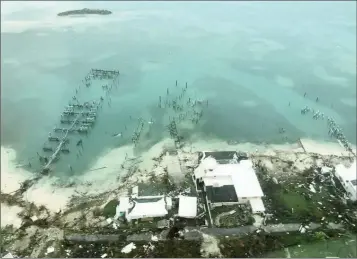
(12, 62)
(249, 103)
(349, 102)
(260, 47)
(41, 34)
(151, 66)
(321, 73)
(258, 68)
(102, 57)
(284, 81)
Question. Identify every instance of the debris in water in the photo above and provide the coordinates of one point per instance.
(117, 135)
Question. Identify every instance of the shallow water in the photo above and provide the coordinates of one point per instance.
(249, 63)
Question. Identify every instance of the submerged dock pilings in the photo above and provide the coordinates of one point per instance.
(80, 116)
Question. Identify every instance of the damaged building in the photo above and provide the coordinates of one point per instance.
(143, 207)
(136, 207)
(348, 179)
(228, 178)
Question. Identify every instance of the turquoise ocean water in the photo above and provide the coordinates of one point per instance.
(250, 60)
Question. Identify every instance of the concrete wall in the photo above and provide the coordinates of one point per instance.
(219, 204)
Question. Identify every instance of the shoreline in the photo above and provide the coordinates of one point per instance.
(111, 176)
(107, 173)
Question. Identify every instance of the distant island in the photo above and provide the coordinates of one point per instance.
(85, 11)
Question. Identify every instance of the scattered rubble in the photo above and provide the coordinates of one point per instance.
(128, 248)
(298, 188)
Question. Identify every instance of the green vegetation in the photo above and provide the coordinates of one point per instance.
(292, 200)
(109, 209)
(241, 216)
(85, 11)
(320, 235)
(160, 249)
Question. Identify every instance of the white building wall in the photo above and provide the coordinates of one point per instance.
(217, 181)
(243, 200)
(345, 176)
(241, 175)
(219, 204)
(349, 188)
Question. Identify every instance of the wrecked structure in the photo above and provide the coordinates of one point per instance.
(231, 181)
(187, 207)
(144, 207)
(136, 207)
(348, 179)
(297, 213)
(80, 114)
(229, 169)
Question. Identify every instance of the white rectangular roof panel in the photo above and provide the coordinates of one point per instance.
(124, 204)
(148, 210)
(257, 205)
(245, 180)
(217, 181)
(187, 207)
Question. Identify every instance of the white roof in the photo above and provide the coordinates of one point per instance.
(148, 210)
(217, 181)
(124, 204)
(187, 207)
(135, 191)
(346, 173)
(257, 205)
(207, 164)
(245, 180)
(224, 170)
(241, 175)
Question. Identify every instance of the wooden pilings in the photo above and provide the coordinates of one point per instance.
(58, 149)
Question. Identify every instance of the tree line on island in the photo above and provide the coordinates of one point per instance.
(85, 11)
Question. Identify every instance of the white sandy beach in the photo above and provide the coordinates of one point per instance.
(49, 193)
(11, 175)
(9, 216)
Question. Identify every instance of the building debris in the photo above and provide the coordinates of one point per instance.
(128, 248)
